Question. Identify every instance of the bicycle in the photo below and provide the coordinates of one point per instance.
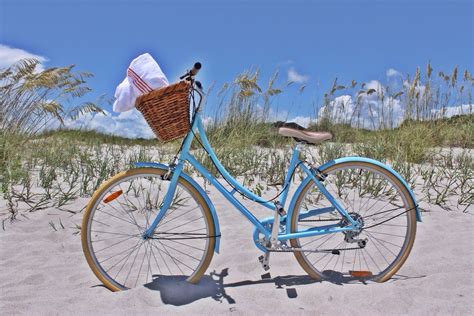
(352, 217)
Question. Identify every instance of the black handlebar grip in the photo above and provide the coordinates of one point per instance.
(195, 69)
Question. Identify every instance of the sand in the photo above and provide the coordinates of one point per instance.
(44, 272)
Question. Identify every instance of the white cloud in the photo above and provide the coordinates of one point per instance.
(369, 112)
(10, 55)
(454, 110)
(339, 110)
(376, 85)
(130, 124)
(304, 121)
(393, 73)
(294, 76)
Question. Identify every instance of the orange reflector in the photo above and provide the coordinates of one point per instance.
(360, 274)
(113, 196)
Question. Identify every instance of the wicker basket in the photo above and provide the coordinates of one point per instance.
(166, 110)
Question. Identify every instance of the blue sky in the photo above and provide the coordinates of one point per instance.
(315, 40)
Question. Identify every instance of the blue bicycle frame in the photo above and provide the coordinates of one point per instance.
(295, 162)
(186, 156)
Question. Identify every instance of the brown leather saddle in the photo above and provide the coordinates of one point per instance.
(301, 134)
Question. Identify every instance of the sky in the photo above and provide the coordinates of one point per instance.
(308, 42)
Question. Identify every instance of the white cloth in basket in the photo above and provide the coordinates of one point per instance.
(143, 75)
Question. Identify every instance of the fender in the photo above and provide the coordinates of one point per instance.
(197, 187)
(352, 159)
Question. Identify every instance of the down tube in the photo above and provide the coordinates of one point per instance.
(224, 172)
(228, 195)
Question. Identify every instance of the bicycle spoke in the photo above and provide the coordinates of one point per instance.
(184, 244)
(111, 238)
(120, 253)
(124, 258)
(365, 260)
(318, 238)
(141, 265)
(191, 221)
(156, 261)
(325, 255)
(378, 249)
(162, 258)
(165, 251)
(332, 256)
(102, 223)
(115, 244)
(385, 242)
(123, 211)
(376, 232)
(162, 224)
(111, 233)
(119, 218)
(131, 266)
(128, 201)
(196, 230)
(375, 263)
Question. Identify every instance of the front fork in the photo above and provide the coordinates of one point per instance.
(174, 171)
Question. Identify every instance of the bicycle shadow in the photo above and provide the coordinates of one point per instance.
(175, 290)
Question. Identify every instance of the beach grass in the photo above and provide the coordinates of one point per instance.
(53, 168)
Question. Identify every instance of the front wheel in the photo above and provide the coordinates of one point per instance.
(121, 210)
(375, 198)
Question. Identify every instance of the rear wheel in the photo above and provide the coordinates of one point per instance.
(373, 197)
(119, 213)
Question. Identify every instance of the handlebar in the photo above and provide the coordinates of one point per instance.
(191, 73)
